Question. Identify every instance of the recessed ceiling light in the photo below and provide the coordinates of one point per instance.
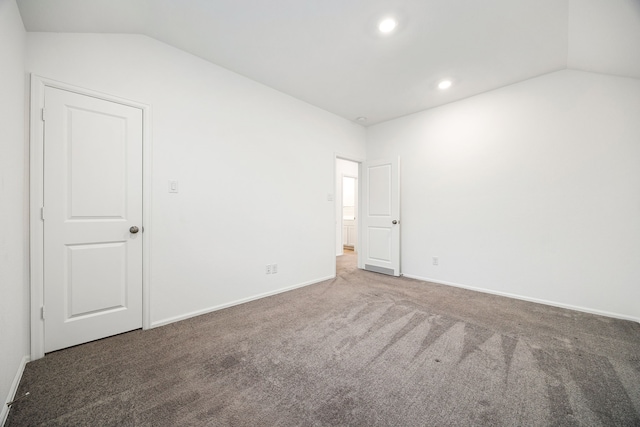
(361, 119)
(444, 84)
(387, 25)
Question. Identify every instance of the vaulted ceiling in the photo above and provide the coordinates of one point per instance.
(331, 54)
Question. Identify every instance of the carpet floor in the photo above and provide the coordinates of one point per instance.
(360, 350)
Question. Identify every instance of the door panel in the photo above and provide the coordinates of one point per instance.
(381, 239)
(379, 190)
(92, 196)
(97, 149)
(96, 278)
(380, 244)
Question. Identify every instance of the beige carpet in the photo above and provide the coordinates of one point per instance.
(361, 350)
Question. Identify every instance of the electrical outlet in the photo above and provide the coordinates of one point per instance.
(435, 260)
(268, 269)
(274, 268)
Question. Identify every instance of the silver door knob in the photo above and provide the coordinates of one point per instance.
(134, 230)
(394, 222)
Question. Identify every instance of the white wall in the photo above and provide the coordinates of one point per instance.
(604, 36)
(343, 167)
(14, 312)
(254, 168)
(531, 190)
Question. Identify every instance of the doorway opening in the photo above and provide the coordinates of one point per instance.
(347, 213)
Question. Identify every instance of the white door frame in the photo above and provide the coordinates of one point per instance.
(359, 161)
(36, 225)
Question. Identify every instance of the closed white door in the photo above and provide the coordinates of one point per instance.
(381, 216)
(92, 218)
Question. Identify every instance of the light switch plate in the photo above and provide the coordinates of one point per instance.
(173, 186)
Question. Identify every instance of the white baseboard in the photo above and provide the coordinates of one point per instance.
(236, 302)
(530, 299)
(12, 391)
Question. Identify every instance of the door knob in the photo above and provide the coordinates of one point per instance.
(394, 222)
(134, 230)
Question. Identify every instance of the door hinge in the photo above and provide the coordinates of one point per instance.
(43, 114)
(42, 213)
(42, 312)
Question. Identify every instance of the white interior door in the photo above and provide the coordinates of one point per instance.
(92, 202)
(381, 216)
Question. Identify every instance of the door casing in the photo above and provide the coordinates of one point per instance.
(36, 187)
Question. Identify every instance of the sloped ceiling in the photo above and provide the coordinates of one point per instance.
(330, 53)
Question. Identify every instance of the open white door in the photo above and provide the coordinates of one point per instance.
(381, 216)
(92, 218)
